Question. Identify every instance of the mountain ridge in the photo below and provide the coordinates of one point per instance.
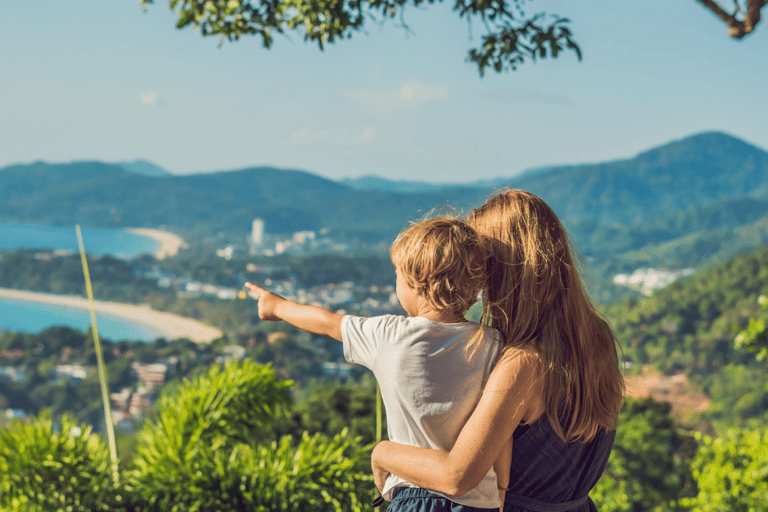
(683, 174)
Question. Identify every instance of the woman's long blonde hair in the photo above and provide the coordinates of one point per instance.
(536, 299)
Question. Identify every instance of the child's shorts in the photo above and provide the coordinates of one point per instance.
(414, 499)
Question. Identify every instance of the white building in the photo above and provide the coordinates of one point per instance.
(257, 234)
(646, 280)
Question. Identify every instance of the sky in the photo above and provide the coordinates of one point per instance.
(103, 80)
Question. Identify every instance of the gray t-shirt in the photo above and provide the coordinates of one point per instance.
(428, 384)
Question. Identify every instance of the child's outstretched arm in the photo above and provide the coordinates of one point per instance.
(308, 318)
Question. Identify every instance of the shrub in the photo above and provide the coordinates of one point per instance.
(47, 466)
(649, 468)
(732, 472)
(204, 452)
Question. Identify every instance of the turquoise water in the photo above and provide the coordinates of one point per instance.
(96, 241)
(33, 317)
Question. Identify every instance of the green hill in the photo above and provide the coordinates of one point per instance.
(699, 237)
(96, 194)
(689, 173)
(690, 326)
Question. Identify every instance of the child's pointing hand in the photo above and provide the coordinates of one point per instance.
(268, 301)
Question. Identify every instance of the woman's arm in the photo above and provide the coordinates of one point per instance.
(308, 318)
(501, 467)
(512, 395)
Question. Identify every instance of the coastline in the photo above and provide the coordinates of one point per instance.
(169, 243)
(170, 325)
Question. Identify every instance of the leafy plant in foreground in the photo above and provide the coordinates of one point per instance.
(205, 452)
(48, 466)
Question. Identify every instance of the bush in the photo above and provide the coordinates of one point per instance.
(46, 466)
(732, 472)
(315, 475)
(649, 468)
(204, 452)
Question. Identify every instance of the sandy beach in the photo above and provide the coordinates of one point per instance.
(172, 326)
(169, 243)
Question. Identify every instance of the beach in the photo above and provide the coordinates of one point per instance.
(169, 243)
(171, 326)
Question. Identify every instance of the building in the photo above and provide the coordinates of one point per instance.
(151, 375)
(257, 235)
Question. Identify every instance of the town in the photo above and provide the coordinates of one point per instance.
(145, 368)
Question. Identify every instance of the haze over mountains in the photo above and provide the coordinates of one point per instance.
(684, 202)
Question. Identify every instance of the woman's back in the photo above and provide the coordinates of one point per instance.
(549, 470)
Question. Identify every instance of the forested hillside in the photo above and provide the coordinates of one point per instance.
(690, 327)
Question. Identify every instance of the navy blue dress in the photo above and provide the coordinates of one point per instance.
(545, 470)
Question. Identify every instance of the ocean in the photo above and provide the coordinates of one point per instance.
(96, 241)
(33, 317)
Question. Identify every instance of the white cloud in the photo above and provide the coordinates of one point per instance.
(149, 98)
(326, 138)
(408, 97)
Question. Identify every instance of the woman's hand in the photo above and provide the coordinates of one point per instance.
(268, 302)
(379, 474)
(511, 395)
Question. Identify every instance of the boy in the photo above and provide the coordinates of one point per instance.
(430, 365)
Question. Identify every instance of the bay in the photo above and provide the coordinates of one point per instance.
(33, 317)
(97, 241)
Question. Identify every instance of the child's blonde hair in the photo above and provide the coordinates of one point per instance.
(442, 259)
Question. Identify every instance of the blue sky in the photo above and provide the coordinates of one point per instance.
(102, 80)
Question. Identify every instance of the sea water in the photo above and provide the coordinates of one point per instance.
(96, 241)
(33, 317)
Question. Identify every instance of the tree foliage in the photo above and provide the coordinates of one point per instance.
(754, 337)
(732, 472)
(648, 469)
(688, 325)
(330, 408)
(512, 37)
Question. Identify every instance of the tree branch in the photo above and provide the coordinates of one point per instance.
(737, 29)
(753, 13)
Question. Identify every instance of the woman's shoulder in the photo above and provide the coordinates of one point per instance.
(519, 359)
(513, 366)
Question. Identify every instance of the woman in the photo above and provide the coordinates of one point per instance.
(554, 396)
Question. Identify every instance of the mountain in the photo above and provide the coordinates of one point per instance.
(690, 327)
(596, 201)
(144, 167)
(95, 194)
(682, 174)
(724, 216)
(377, 183)
(371, 182)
